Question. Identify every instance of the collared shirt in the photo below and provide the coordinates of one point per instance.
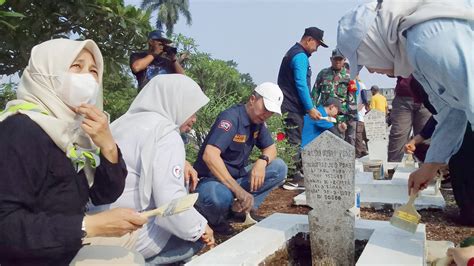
(235, 135)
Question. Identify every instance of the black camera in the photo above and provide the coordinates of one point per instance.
(170, 49)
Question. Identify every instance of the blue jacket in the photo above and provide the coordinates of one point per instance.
(294, 79)
(313, 128)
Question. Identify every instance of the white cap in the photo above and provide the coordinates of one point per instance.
(272, 96)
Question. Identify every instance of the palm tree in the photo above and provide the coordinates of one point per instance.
(168, 12)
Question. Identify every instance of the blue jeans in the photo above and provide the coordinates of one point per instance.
(215, 199)
(176, 250)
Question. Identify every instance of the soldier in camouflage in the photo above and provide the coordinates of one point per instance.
(335, 82)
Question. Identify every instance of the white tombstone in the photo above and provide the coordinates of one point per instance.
(376, 130)
(328, 165)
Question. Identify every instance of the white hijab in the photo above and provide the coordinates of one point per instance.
(384, 45)
(167, 101)
(40, 83)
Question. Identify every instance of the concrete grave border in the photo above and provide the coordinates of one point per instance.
(387, 244)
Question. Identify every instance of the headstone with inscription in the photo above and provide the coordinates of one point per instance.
(328, 165)
(376, 130)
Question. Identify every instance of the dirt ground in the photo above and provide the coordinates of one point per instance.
(438, 224)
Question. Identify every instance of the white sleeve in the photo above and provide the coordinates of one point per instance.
(168, 184)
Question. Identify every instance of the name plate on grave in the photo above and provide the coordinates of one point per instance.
(328, 165)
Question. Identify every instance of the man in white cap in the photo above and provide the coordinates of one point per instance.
(222, 162)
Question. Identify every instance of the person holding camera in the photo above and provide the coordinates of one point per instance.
(159, 59)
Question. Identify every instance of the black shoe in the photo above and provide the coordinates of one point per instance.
(223, 228)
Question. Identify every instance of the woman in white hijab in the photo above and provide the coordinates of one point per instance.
(433, 39)
(149, 135)
(56, 153)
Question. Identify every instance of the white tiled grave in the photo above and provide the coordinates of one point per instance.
(379, 193)
(386, 245)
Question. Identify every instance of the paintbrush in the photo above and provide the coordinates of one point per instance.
(175, 206)
(329, 119)
(406, 217)
(248, 219)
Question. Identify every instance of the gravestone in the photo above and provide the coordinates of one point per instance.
(376, 130)
(328, 165)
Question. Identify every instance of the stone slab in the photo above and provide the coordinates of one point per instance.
(379, 193)
(377, 134)
(328, 164)
(391, 197)
(387, 244)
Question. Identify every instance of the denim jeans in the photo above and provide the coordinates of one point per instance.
(215, 199)
(176, 250)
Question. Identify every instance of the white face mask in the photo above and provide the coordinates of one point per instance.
(76, 89)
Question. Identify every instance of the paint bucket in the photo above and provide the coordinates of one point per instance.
(357, 203)
(376, 167)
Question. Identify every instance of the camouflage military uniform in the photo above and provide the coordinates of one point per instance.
(330, 83)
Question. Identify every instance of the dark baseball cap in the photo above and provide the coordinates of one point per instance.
(335, 102)
(337, 53)
(158, 35)
(316, 34)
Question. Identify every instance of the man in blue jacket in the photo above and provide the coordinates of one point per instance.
(294, 80)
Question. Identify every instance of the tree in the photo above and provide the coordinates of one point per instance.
(116, 28)
(168, 12)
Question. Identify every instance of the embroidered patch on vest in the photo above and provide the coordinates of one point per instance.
(240, 138)
(225, 125)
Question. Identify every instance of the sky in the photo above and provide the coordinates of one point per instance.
(257, 33)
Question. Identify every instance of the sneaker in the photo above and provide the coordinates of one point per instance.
(295, 184)
(223, 229)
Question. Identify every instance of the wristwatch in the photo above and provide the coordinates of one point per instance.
(264, 157)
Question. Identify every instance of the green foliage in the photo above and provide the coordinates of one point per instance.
(7, 93)
(119, 93)
(286, 151)
(116, 28)
(225, 86)
(116, 103)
